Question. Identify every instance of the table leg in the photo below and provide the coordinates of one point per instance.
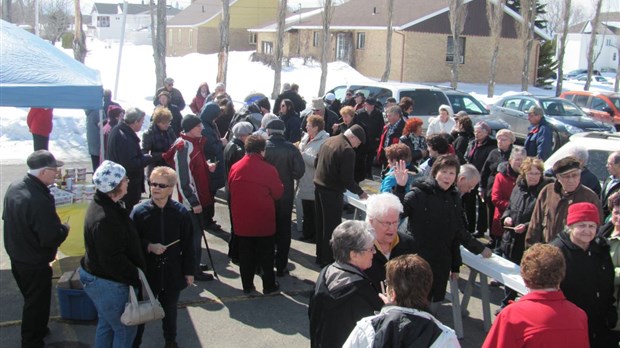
(456, 308)
(468, 289)
(486, 306)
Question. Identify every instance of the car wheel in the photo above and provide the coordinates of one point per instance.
(556, 141)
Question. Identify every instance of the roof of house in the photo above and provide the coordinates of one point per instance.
(199, 12)
(132, 9)
(608, 24)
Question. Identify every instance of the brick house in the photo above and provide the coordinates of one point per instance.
(421, 41)
(196, 28)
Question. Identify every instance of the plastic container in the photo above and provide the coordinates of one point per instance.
(76, 305)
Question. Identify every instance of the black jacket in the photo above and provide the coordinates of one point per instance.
(477, 155)
(233, 152)
(213, 148)
(156, 142)
(460, 143)
(113, 247)
(374, 127)
(605, 194)
(589, 283)
(176, 98)
(292, 126)
(166, 225)
(289, 163)
(589, 180)
(376, 272)
(32, 230)
(298, 101)
(489, 169)
(342, 295)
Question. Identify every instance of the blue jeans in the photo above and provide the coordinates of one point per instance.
(109, 298)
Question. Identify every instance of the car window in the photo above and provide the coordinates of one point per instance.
(526, 104)
(597, 161)
(560, 107)
(598, 104)
(616, 102)
(466, 103)
(581, 100)
(381, 94)
(339, 92)
(426, 102)
(511, 104)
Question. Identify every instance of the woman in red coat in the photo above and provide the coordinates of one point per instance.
(39, 122)
(254, 187)
(502, 188)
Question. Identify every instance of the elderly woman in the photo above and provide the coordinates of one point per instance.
(309, 147)
(348, 115)
(589, 281)
(544, 316)
(404, 322)
(113, 256)
(343, 293)
(503, 185)
(395, 153)
(415, 139)
(612, 231)
(164, 101)
(158, 138)
(442, 123)
(463, 135)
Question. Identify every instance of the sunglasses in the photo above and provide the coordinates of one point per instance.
(156, 184)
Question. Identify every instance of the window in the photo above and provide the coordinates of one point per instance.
(614, 57)
(581, 100)
(267, 47)
(361, 41)
(315, 39)
(170, 32)
(608, 42)
(450, 49)
(341, 46)
(178, 35)
(599, 104)
(190, 38)
(252, 38)
(103, 21)
(512, 104)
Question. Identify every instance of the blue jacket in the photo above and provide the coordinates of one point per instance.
(539, 140)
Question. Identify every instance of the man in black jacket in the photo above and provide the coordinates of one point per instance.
(290, 165)
(292, 93)
(32, 234)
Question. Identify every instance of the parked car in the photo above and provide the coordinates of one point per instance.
(595, 79)
(565, 117)
(599, 146)
(574, 73)
(603, 106)
(477, 111)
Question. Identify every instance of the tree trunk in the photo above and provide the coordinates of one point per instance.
(562, 48)
(277, 62)
(159, 42)
(388, 44)
(595, 22)
(6, 10)
(222, 56)
(457, 21)
(495, 15)
(526, 34)
(325, 46)
(79, 39)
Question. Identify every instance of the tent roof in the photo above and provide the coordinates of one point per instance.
(33, 73)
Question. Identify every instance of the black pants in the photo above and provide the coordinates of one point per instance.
(283, 234)
(209, 211)
(309, 223)
(40, 142)
(370, 156)
(95, 161)
(473, 204)
(253, 252)
(35, 284)
(233, 243)
(169, 300)
(328, 205)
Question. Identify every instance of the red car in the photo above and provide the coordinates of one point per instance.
(603, 106)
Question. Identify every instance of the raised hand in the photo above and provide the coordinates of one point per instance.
(401, 173)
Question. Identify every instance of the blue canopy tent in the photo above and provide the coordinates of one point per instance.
(33, 73)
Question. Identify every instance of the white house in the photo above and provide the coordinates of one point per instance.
(607, 43)
(107, 21)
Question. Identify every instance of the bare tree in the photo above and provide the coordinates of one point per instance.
(388, 44)
(79, 39)
(6, 10)
(458, 14)
(328, 12)
(525, 28)
(56, 19)
(158, 36)
(277, 62)
(495, 16)
(562, 45)
(222, 55)
(590, 55)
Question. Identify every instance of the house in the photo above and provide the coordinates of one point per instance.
(107, 21)
(421, 41)
(607, 42)
(196, 29)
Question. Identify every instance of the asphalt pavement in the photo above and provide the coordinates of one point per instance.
(216, 313)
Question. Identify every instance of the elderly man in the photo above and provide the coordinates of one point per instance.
(467, 180)
(539, 140)
(612, 183)
(549, 216)
(124, 149)
(390, 135)
(373, 119)
(318, 108)
(32, 234)
(176, 98)
(588, 179)
(290, 165)
(335, 164)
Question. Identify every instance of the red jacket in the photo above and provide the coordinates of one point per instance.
(500, 196)
(540, 319)
(40, 121)
(254, 187)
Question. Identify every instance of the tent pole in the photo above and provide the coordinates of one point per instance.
(101, 144)
(120, 49)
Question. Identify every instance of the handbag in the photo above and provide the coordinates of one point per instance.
(141, 312)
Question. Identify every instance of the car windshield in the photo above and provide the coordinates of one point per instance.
(425, 102)
(468, 104)
(615, 101)
(558, 107)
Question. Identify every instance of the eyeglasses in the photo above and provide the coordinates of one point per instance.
(349, 94)
(156, 184)
(388, 223)
(372, 249)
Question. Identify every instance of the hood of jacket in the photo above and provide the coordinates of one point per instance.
(210, 111)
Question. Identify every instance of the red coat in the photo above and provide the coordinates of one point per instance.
(540, 319)
(500, 196)
(40, 121)
(254, 187)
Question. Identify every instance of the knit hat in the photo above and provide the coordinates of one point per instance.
(42, 159)
(330, 97)
(189, 122)
(264, 103)
(483, 125)
(317, 104)
(108, 175)
(582, 211)
(358, 132)
(566, 164)
(276, 126)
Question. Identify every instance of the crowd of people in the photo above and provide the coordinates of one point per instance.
(457, 183)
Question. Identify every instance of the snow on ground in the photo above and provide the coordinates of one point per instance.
(135, 89)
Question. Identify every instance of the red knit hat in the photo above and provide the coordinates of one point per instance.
(582, 211)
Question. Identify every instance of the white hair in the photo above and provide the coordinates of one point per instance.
(267, 118)
(579, 152)
(35, 172)
(469, 172)
(381, 204)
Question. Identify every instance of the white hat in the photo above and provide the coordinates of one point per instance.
(108, 175)
(329, 97)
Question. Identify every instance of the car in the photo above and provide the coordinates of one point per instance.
(595, 79)
(476, 110)
(565, 117)
(599, 145)
(603, 106)
(574, 73)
